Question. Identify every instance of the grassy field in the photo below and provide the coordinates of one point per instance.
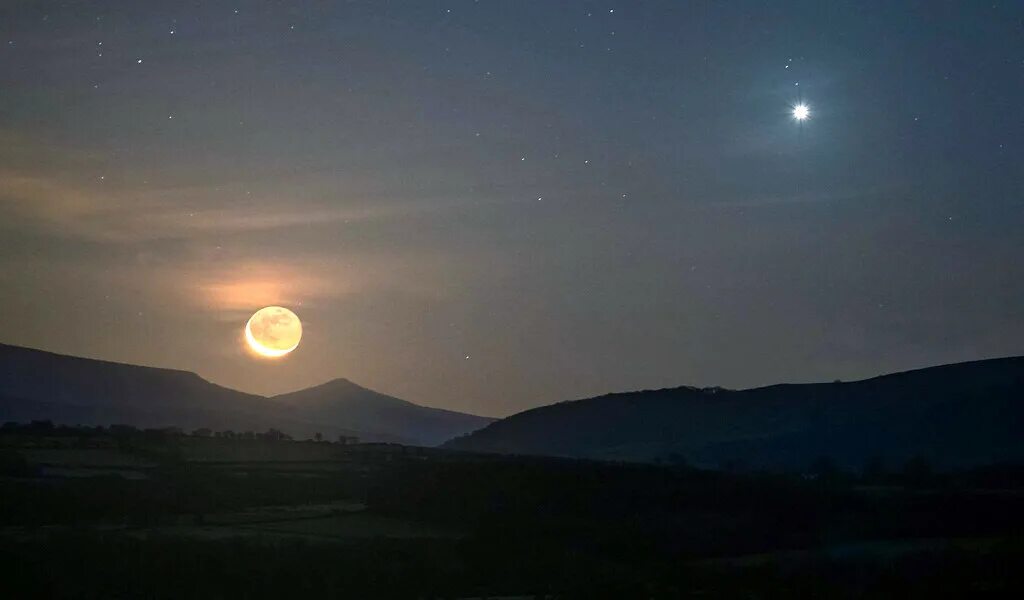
(378, 521)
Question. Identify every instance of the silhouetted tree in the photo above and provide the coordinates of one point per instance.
(276, 435)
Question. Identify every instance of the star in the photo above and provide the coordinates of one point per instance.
(801, 112)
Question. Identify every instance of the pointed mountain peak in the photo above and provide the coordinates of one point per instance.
(339, 390)
(342, 382)
(340, 385)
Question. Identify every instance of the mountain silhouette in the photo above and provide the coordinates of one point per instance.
(348, 405)
(38, 385)
(952, 416)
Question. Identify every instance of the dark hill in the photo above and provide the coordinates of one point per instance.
(346, 404)
(37, 385)
(955, 415)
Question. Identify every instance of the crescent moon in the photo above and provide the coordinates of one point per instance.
(260, 348)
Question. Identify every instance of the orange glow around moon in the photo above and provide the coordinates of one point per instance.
(273, 331)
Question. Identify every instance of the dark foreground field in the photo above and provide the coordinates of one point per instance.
(134, 514)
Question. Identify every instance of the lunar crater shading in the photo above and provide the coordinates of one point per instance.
(273, 331)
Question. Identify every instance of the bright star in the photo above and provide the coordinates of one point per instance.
(801, 112)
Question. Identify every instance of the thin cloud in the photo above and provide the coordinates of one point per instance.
(126, 216)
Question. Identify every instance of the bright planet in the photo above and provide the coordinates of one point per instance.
(801, 112)
(273, 331)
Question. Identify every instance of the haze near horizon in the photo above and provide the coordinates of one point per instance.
(487, 207)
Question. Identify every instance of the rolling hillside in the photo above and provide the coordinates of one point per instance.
(955, 415)
(42, 385)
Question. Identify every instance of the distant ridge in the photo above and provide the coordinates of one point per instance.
(953, 415)
(349, 405)
(37, 385)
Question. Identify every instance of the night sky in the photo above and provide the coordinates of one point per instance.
(488, 206)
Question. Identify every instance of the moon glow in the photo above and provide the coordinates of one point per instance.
(801, 112)
(273, 331)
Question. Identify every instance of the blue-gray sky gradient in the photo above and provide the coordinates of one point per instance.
(487, 206)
